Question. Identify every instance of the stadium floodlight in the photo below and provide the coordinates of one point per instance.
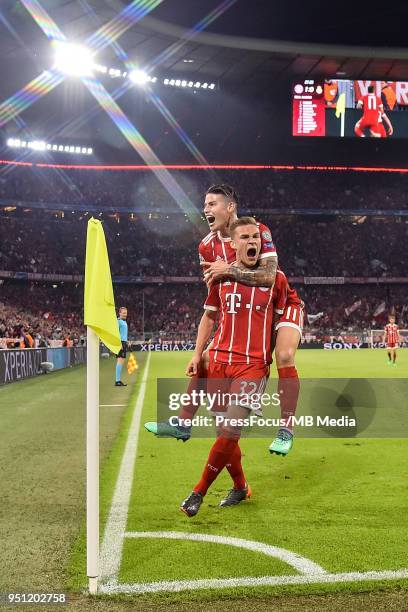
(190, 83)
(178, 83)
(139, 77)
(171, 82)
(100, 68)
(90, 151)
(73, 59)
(184, 83)
(153, 79)
(197, 84)
(166, 81)
(10, 142)
(212, 86)
(204, 85)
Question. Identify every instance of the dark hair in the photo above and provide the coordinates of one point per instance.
(122, 308)
(370, 89)
(242, 221)
(225, 190)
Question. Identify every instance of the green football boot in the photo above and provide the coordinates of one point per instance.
(282, 443)
(165, 430)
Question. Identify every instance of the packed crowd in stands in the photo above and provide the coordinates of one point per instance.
(169, 312)
(151, 245)
(258, 189)
(38, 242)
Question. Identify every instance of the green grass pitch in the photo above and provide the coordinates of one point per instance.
(340, 503)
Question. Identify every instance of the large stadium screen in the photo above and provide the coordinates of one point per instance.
(345, 108)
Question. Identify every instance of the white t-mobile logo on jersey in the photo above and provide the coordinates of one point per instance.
(233, 302)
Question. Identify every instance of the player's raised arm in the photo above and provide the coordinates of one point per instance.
(263, 276)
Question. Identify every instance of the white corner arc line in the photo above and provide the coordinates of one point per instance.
(112, 545)
(220, 583)
(299, 563)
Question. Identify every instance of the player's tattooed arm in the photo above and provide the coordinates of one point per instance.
(262, 276)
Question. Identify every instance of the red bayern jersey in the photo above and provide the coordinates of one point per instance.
(246, 317)
(214, 246)
(372, 109)
(391, 333)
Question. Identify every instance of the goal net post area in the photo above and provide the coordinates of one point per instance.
(376, 338)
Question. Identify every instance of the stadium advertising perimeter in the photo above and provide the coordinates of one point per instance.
(19, 364)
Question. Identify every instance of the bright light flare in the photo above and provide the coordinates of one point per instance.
(139, 77)
(73, 59)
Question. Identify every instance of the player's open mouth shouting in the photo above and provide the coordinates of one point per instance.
(252, 254)
(210, 220)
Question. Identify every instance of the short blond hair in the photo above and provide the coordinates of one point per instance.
(242, 221)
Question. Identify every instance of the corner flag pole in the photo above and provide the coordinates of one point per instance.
(341, 111)
(92, 460)
(101, 322)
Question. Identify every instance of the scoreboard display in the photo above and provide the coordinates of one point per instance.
(308, 109)
(344, 108)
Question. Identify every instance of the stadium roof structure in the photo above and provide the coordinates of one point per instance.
(234, 42)
(245, 47)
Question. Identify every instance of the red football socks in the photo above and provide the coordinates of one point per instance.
(234, 467)
(288, 389)
(221, 453)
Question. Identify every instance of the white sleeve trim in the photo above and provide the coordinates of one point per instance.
(207, 307)
(280, 310)
(265, 255)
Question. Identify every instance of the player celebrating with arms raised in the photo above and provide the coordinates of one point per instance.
(239, 355)
(391, 339)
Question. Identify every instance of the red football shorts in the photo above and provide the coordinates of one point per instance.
(236, 383)
(292, 317)
(375, 128)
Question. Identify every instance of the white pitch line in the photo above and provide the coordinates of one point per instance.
(192, 585)
(299, 563)
(112, 545)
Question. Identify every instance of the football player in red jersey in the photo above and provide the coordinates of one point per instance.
(239, 360)
(391, 339)
(373, 116)
(217, 256)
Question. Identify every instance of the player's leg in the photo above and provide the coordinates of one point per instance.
(389, 353)
(394, 356)
(220, 455)
(121, 357)
(182, 431)
(378, 132)
(288, 336)
(358, 131)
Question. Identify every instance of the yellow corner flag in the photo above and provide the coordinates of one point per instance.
(341, 105)
(99, 303)
(132, 364)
